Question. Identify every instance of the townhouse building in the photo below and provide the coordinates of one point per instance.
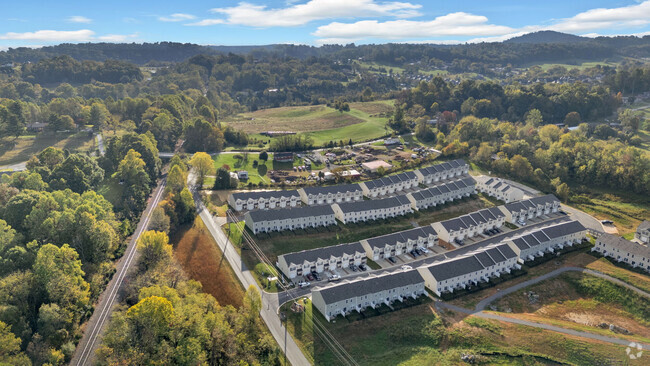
(368, 292)
(621, 250)
(498, 188)
(399, 243)
(389, 184)
(262, 221)
(642, 233)
(548, 239)
(263, 200)
(366, 210)
(472, 268)
(442, 193)
(530, 208)
(438, 172)
(321, 259)
(331, 194)
(469, 225)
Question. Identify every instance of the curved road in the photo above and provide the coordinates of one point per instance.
(478, 310)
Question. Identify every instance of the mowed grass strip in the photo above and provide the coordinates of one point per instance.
(202, 260)
(21, 149)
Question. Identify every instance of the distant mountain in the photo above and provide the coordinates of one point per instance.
(548, 37)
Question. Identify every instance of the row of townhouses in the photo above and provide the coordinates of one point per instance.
(642, 233)
(621, 250)
(263, 221)
(361, 293)
(398, 243)
(389, 184)
(331, 194)
(472, 268)
(469, 225)
(321, 259)
(498, 188)
(438, 172)
(263, 200)
(365, 210)
(531, 208)
(548, 239)
(442, 193)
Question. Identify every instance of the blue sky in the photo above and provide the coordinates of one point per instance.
(315, 22)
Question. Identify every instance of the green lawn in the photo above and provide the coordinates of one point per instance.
(580, 66)
(21, 149)
(256, 175)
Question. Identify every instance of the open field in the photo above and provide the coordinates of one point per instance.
(419, 335)
(21, 149)
(626, 209)
(582, 302)
(255, 174)
(397, 69)
(576, 65)
(637, 280)
(200, 257)
(363, 121)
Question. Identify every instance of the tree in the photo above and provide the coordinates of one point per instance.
(629, 120)
(521, 167)
(154, 247)
(534, 118)
(203, 165)
(58, 271)
(78, 172)
(175, 179)
(98, 115)
(264, 156)
(10, 353)
(563, 191)
(222, 180)
(572, 119)
(132, 175)
(159, 220)
(150, 318)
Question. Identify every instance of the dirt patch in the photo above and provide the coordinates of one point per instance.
(198, 254)
(373, 107)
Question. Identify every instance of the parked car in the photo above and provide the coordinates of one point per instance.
(522, 223)
(487, 232)
(309, 276)
(413, 254)
(418, 251)
(362, 267)
(353, 267)
(392, 260)
(406, 267)
(334, 278)
(607, 222)
(423, 250)
(316, 276)
(303, 284)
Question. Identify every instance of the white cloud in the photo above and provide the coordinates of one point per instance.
(631, 16)
(116, 38)
(51, 36)
(177, 17)
(454, 24)
(79, 19)
(300, 14)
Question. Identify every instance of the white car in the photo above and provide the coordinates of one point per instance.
(303, 284)
(522, 223)
(424, 250)
(405, 267)
(334, 278)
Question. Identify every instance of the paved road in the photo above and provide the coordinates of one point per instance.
(100, 144)
(17, 167)
(585, 219)
(85, 352)
(270, 302)
(478, 310)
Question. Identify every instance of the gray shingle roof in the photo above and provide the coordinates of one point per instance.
(645, 225)
(282, 214)
(342, 188)
(546, 234)
(368, 205)
(323, 253)
(625, 246)
(472, 219)
(369, 285)
(390, 180)
(265, 194)
(473, 262)
(444, 166)
(533, 202)
(401, 236)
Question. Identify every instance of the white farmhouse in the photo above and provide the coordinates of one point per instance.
(642, 233)
(621, 250)
(389, 184)
(263, 200)
(401, 242)
(368, 292)
(263, 221)
(472, 268)
(444, 192)
(321, 259)
(498, 188)
(331, 194)
(531, 208)
(469, 225)
(366, 210)
(442, 171)
(548, 239)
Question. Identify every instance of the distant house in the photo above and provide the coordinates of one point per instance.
(372, 166)
(537, 242)
(621, 250)
(445, 192)
(643, 232)
(331, 194)
(400, 242)
(37, 126)
(367, 292)
(392, 141)
(263, 200)
(442, 171)
(242, 174)
(361, 211)
(263, 221)
(283, 157)
(530, 208)
(469, 225)
(389, 184)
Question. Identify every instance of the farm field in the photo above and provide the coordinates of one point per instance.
(579, 66)
(420, 335)
(582, 302)
(363, 122)
(200, 257)
(21, 149)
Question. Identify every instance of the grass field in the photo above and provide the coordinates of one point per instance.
(255, 175)
(626, 209)
(363, 122)
(635, 279)
(419, 335)
(582, 302)
(21, 149)
(399, 70)
(200, 257)
(580, 66)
